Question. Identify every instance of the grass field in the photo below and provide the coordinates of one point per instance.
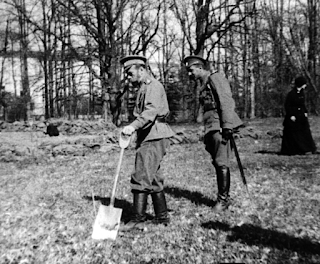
(47, 209)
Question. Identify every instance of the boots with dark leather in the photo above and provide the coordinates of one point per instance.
(140, 200)
(223, 180)
(160, 208)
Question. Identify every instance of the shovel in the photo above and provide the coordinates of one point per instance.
(107, 222)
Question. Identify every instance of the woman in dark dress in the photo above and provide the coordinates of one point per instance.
(297, 138)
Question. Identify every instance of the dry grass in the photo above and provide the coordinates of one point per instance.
(47, 210)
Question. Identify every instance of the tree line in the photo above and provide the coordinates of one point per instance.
(260, 45)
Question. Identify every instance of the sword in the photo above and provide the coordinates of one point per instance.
(243, 178)
(257, 218)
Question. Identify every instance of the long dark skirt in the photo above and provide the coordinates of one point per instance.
(297, 142)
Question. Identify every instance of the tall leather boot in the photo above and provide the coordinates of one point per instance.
(223, 180)
(140, 200)
(160, 208)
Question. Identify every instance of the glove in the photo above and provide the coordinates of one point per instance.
(128, 130)
(226, 134)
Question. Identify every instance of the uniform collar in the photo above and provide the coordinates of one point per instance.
(205, 80)
(206, 77)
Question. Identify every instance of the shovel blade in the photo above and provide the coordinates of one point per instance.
(107, 223)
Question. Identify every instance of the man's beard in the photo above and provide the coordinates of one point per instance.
(137, 81)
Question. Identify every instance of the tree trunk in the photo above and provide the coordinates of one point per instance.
(104, 66)
(312, 53)
(251, 60)
(24, 59)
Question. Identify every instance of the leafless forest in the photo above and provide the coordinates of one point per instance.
(260, 45)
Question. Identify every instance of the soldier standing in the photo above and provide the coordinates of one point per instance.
(150, 112)
(217, 112)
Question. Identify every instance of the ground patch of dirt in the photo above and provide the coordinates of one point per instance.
(20, 140)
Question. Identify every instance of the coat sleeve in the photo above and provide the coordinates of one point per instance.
(226, 103)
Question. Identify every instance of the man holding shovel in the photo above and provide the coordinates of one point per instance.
(217, 112)
(150, 111)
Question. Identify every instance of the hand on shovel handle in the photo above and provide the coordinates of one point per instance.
(124, 140)
(128, 130)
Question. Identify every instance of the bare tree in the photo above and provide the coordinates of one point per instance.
(300, 45)
(260, 45)
(4, 53)
(20, 6)
(313, 51)
(213, 21)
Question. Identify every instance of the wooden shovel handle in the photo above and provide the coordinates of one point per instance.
(124, 141)
(112, 199)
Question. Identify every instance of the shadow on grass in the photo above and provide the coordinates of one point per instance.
(282, 154)
(195, 197)
(268, 152)
(255, 235)
(127, 208)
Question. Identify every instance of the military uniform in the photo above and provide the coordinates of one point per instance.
(153, 133)
(217, 110)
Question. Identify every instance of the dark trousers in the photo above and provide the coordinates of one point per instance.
(220, 152)
(147, 176)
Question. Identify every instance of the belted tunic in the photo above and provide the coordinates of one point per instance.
(150, 110)
(217, 110)
(217, 105)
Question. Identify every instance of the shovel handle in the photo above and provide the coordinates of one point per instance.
(113, 194)
(124, 141)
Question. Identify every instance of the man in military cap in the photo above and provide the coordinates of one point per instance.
(150, 111)
(217, 112)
